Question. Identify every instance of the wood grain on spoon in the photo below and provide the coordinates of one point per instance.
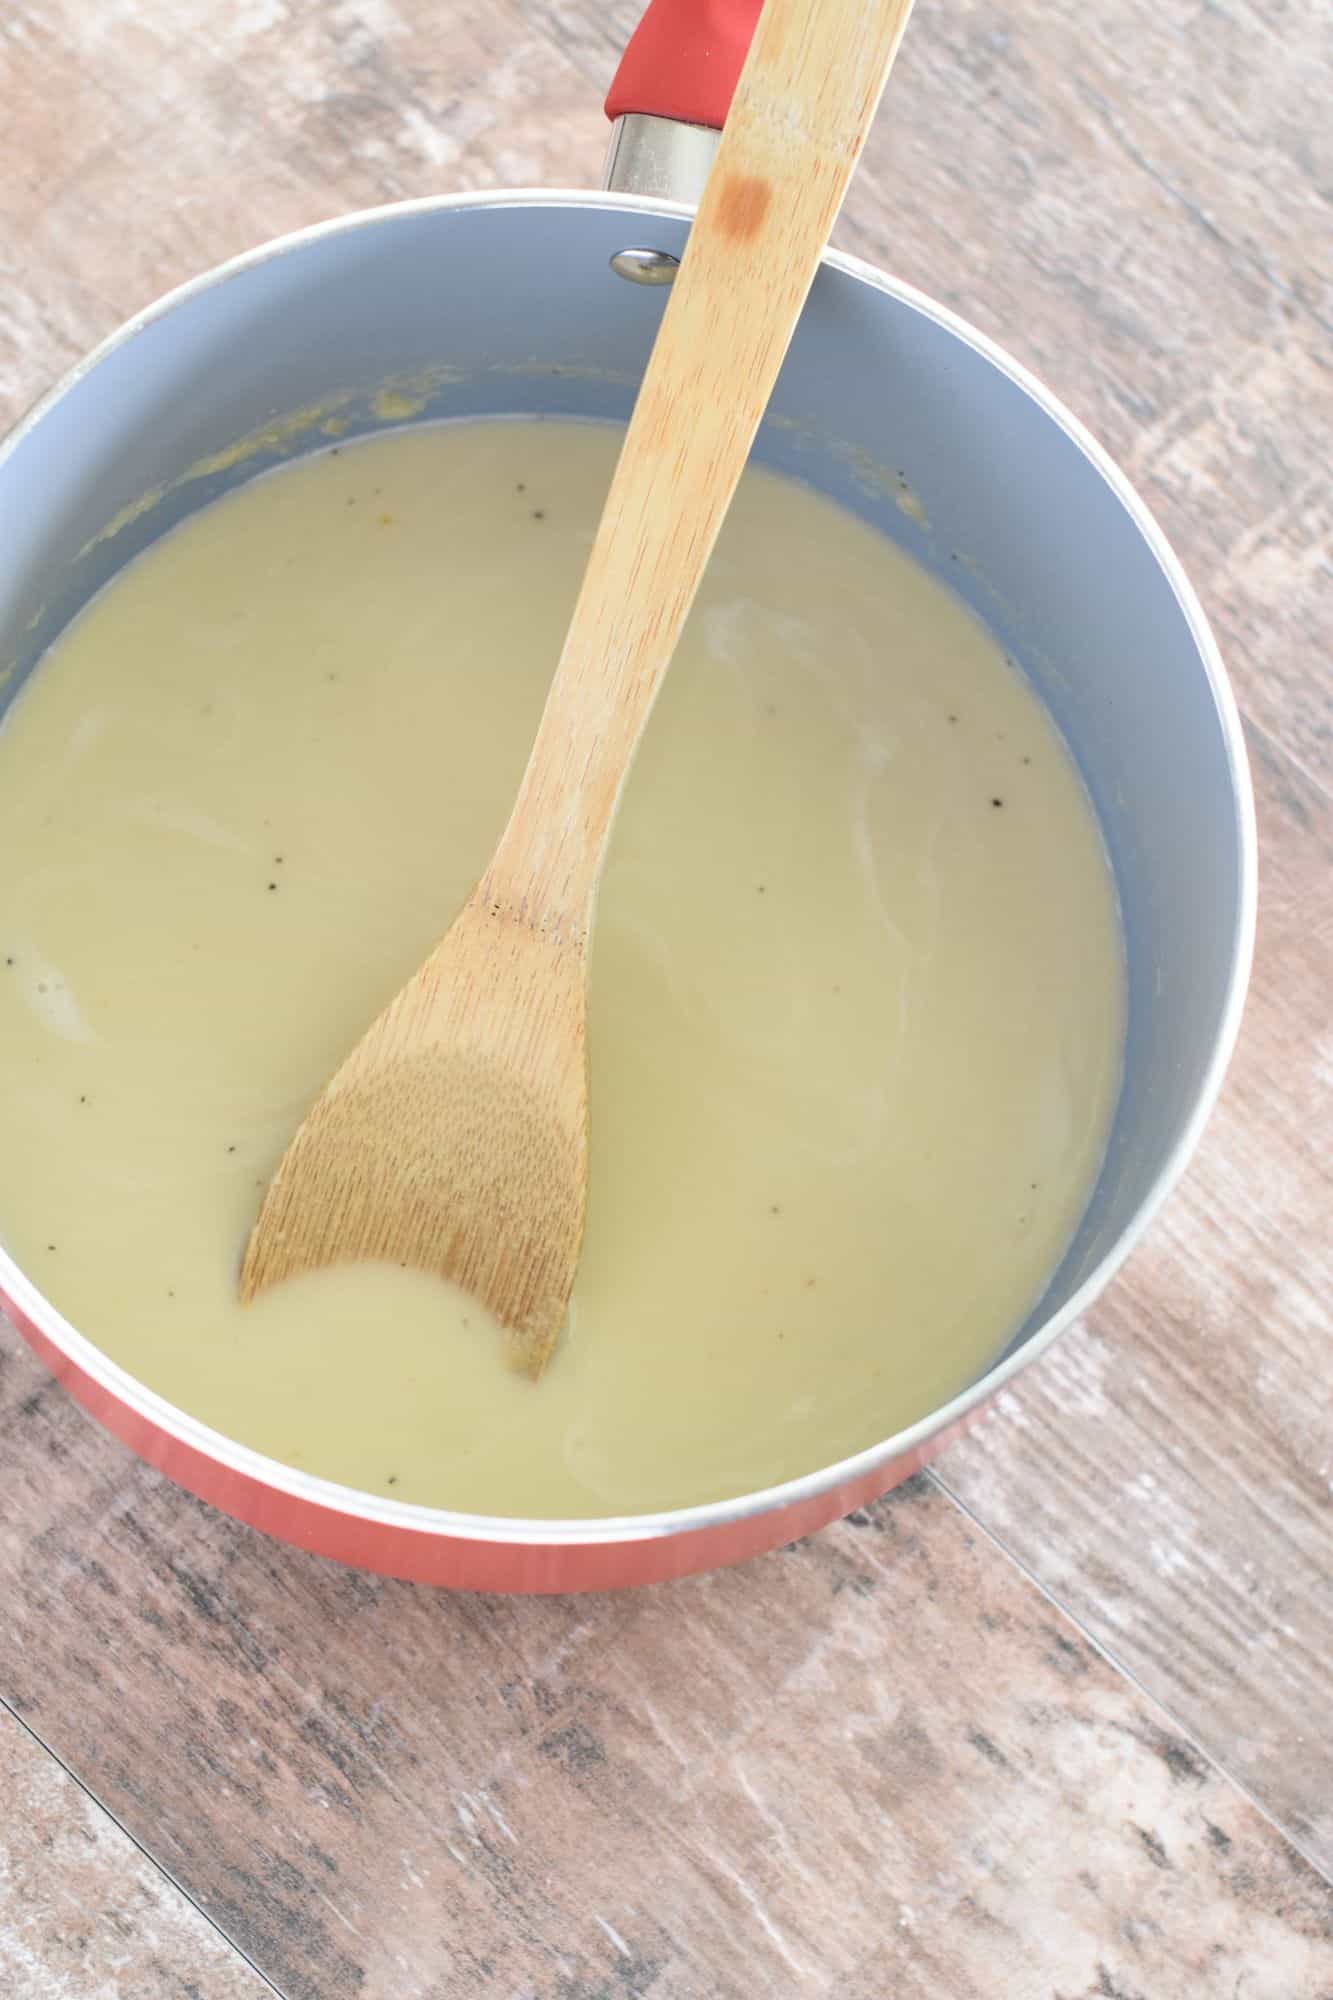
(455, 1136)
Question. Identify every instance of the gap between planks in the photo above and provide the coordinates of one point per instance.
(1126, 1673)
(172, 1882)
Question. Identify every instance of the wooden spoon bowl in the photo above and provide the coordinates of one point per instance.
(455, 1135)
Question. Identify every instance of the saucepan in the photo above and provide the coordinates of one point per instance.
(547, 302)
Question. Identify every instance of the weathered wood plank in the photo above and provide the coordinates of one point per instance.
(152, 140)
(879, 1762)
(83, 1914)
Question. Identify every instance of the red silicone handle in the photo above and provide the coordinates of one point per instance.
(683, 60)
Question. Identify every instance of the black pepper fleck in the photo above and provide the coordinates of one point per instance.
(539, 513)
(231, 1149)
(1027, 760)
(775, 1208)
(763, 888)
(521, 487)
(997, 802)
(392, 1479)
(953, 718)
(272, 885)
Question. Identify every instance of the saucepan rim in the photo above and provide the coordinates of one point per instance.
(601, 1530)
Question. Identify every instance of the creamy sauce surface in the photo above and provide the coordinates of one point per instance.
(856, 998)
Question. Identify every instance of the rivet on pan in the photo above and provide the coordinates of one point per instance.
(645, 267)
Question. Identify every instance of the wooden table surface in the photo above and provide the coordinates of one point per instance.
(1052, 1721)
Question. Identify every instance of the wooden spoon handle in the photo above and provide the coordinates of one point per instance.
(798, 120)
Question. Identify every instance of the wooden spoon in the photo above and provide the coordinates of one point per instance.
(455, 1136)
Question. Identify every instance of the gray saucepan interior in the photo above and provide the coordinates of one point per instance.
(509, 307)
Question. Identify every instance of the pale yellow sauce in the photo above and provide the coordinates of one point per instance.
(856, 991)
